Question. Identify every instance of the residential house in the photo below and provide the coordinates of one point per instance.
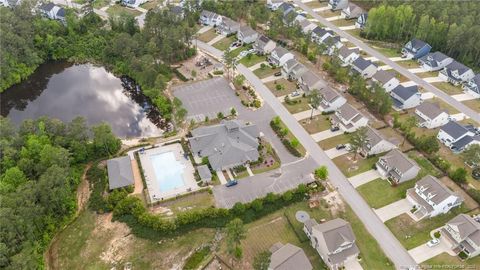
(10, 3)
(274, 4)
(289, 14)
(347, 56)
(319, 34)
(288, 256)
(386, 79)
(332, 45)
(351, 11)
(434, 61)
(376, 144)
(228, 27)
(334, 241)
(397, 167)
(348, 118)
(307, 26)
(53, 12)
(405, 97)
(133, 3)
(337, 4)
(226, 145)
(210, 18)
(310, 81)
(457, 73)
(280, 56)
(331, 100)
(430, 116)
(365, 68)
(463, 235)
(472, 87)
(361, 21)
(430, 197)
(458, 137)
(246, 34)
(292, 69)
(177, 11)
(120, 173)
(415, 49)
(264, 45)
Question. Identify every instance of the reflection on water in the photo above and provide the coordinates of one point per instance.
(64, 91)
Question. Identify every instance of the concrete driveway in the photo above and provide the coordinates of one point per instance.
(463, 97)
(333, 153)
(423, 253)
(323, 135)
(353, 264)
(393, 210)
(306, 114)
(364, 178)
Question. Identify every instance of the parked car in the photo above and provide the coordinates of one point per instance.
(231, 183)
(335, 128)
(295, 94)
(276, 74)
(476, 173)
(433, 242)
(340, 146)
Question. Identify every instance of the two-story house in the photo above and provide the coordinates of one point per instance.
(228, 27)
(274, 4)
(264, 45)
(429, 115)
(319, 34)
(293, 70)
(405, 97)
(334, 241)
(310, 81)
(472, 87)
(307, 26)
(337, 4)
(331, 100)
(430, 197)
(386, 79)
(361, 21)
(348, 118)
(415, 49)
(347, 56)
(376, 144)
(458, 137)
(457, 73)
(246, 34)
(332, 45)
(279, 56)
(365, 68)
(463, 234)
(132, 3)
(10, 3)
(53, 12)
(352, 11)
(210, 18)
(397, 167)
(288, 256)
(434, 61)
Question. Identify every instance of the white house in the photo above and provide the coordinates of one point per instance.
(365, 68)
(348, 118)
(347, 56)
(386, 79)
(473, 86)
(210, 18)
(376, 143)
(10, 3)
(430, 116)
(337, 4)
(228, 27)
(361, 21)
(405, 97)
(310, 81)
(274, 4)
(397, 167)
(246, 34)
(415, 49)
(457, 73)
(319, 34)
(430, 198)
(458, 137)
(331, 100)
(307, 26)
(133, 3)
(53, 12)
(434, 61)
(333, 44)
(352, 11)
(264, 45)
(462, 234)
(280, 56)
(293, 70)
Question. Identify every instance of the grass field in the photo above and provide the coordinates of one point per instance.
(443, 105)
(474, 104)
(343, 22)
(317, 124)
(207, 36)
(350, 168)
(448, 88)
(224, 43)
(409, 64)
(427, 168)
(298, 107)
(100, 3)
(265, 72)
(333, 141)
(291, 137)
(252, 59)
(316, 4)
(198, 201)
(379, 192)
(446, 260)
(150, 4)
(118, 10)
(287, 87)
(427, 74)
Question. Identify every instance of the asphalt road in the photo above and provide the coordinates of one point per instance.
(387, 241)
(411, 76)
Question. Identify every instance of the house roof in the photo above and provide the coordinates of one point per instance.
(435, 188)
(332, 40)
(280, 51)
(396, 159)
(227, 22)
(373, 136)
(347, 111)
(291, 63)
(305, 23)
(459, 67)
(476, 79)
(460, 144)
(405, 92)
(355, 10)
(466, 226)
(344, 51)
(431, 110)
(329, 94)
(262, 41)
(362, 64)
(288, 256)
(432, 58)
(309, 224)
(454, 129)
(227, 144)
(417, 44)
(310, 79)
(204, 172)
(177, 10)
(286, 7)
(247, 31)
(120, 173)
(383, 76)
(47, 7)
(61, 12)
(320, 31)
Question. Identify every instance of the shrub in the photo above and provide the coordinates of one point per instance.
(437, 234)
(196, 258)
(180, 75)
(218, 72)
(279, 87)
(463, 255)
(459, 175)
(290, 148)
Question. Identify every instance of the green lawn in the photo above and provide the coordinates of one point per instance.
(343, 22)
(100, 3)
(207, 36)
(349, 168)
(301, 106)
(317, 124)
(379, 192)
(427, 74)
(198, 200)
(287, 87)
(413, 234)
(474, 104)
(427, 168)
(252, 59)
(150, 4)
(333, 141)
(409, 63)
(448, 88)
(446, 260)
(291, 137)
(224, 43)
(388, 52)
(316, 4)
(265, 72)
(118, 10)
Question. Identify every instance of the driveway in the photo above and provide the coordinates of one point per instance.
(333, 153)
(323, 135)
(306, 114)
(423, 253)
(463, 97)
(215, 39)
(353, 264)
(434, 79)
(393, 210)
(364, 178)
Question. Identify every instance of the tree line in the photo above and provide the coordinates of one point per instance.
(41, 165)
(452, 27)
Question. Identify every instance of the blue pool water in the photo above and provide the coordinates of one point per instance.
(168, 171)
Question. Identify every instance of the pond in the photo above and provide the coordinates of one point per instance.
(64, 91)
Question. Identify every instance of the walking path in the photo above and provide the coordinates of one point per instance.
(221, 177)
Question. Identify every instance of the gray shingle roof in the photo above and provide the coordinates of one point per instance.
(454, 129)
(373, 136)
(47, 7)
(204, 172)
(405, 92)
(280, 51)
(459, 67)
(120, 173)
(362, 64)
(460, 144)
(418, 44)
(329, 94)
(345, 51)
(437, 189)
(396, 159)
(247, 31)
(383, 76)
(287, 257)
(310, 78)
(467, 227)
(431, 110)
(348, 112)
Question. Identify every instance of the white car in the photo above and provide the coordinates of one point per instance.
(433, 242)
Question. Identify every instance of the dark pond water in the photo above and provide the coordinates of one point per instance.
(64, 91)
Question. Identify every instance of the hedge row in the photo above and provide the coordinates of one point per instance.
(281, 133)
(290, 148)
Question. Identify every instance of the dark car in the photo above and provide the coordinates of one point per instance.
(340, 146)
(476, 173)
(277, 74)
(335, 128)
(231, 183)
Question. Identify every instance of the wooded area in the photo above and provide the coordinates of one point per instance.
(452, 27)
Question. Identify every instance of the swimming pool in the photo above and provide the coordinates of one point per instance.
(168, 171)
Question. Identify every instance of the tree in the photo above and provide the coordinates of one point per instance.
(235, 234)
(321, 173)
(471, 155)
(233, 112)
(105, 143)
(220, 115)
(230, 62)
(358, 140)
(262, 260)
(315, 100)
(459, 175)
(407, 126)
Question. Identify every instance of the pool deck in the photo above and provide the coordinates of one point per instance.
(154, 192)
